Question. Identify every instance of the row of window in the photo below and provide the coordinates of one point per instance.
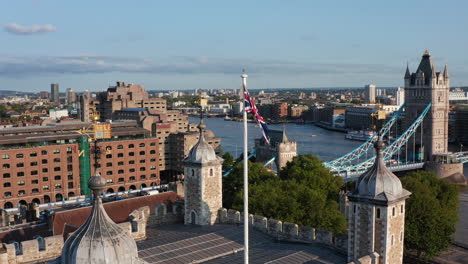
(34, 154)
(121, 163)
(131, 154)
(35, 163)
(36, 190)
(44, 179)
(35, 172)
(130, 170)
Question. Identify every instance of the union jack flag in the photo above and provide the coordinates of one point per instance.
(250, 107)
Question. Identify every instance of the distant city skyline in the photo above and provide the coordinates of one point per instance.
(90, 45)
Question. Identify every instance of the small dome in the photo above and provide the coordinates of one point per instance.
(202, 152)
(99, 239)
(379, 181)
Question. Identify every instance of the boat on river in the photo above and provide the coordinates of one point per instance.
(362, 135)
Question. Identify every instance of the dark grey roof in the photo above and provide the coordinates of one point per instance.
(224, 244)
(379, 182)
(202, 152)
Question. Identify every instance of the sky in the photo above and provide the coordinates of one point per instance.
(171, 45)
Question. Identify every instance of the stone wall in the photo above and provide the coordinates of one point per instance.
(47, 248)
(167, 213)
(286, 231)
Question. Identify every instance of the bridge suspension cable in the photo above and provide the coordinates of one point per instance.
(362, 150)
(390, 150)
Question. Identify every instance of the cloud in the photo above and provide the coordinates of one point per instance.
(17, 29)
(26, 66)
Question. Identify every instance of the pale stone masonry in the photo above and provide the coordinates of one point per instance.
(376, 215)
(202, 183)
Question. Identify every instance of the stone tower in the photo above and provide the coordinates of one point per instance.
(202, 183)
(422, 87)
(287, 150)
(376, 215)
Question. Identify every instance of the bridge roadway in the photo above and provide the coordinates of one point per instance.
(354, 175)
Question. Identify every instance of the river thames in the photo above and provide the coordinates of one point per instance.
(327, 145)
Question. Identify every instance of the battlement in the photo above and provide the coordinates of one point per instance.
(48, 248)
(286, 231)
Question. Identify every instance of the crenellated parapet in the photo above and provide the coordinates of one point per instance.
(285, 231)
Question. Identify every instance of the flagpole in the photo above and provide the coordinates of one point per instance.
(246, 178)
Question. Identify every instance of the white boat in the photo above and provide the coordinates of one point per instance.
(361, 135)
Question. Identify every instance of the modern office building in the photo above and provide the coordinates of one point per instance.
(54, 92)
(369, 91)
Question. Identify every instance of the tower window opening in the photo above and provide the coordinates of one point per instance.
(401, 208)
(392, 241)
(211, 172)
(393, 211)
(378, 213)
(193, 172)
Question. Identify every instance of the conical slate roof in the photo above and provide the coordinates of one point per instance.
(379, 182)
(99, 239)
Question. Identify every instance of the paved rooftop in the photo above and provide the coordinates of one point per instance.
(224, 244)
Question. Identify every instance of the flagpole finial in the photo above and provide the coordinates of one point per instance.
(244, 75)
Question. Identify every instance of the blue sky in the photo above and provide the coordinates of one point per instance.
(205, 44)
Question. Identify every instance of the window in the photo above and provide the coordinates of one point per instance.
(131, 146)
(44, 161)
(108, 156)
(153, 175)
(58, 186)
(69, 167)
(120, 172)
(109, 181)
(121, 180)
(56, 160)
(131, 162)
(45, 169)
(152, 167)
(153, 151)
(401, 236)
(142, 169)
(211, 172)
(393, 213)
(153, 144)
(378, 213)
(108, 172)
(132, 178)
(57, 169)
(57, 177)
(56, 151)
(69, 150)
(34, 181)
(33, 154)
(354, 207)
(131, 170)
(70, 177)
(120, 147)
(21, 183)
(70, 185)
(131, 154)
(152, 160)
(142, 161)
(142, 145)
(45, 187)
(6, 184)
(45, 179)
(20, 165)
(401, 208)
(142, 177)
(7, 194)
(34, 163)
(392, 240)
(109, 164)
(70, 159)
(21, 192)
(5, 156)
(19, 156)
(120, 163)
(142, 153)
(44, 152)
(6, 166)
(120, 155)
(35, 190)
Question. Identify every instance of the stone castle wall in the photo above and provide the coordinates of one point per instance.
(49, 248)
(286, 231)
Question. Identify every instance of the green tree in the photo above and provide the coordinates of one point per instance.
(3, 110)
(431, 214)
(305, 193)
(228, 160)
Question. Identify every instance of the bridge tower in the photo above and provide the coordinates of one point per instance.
(280, 147)
(422, 87)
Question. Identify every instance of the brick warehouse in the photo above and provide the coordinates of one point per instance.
(42, 164)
